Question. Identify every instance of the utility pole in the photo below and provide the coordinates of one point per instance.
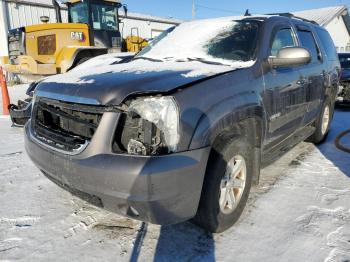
(193, 10)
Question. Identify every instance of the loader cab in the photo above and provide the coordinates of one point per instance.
(102, 18)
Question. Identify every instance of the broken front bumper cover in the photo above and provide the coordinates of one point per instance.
(20, 113)
(158, 189)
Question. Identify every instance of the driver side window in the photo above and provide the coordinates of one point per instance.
(283, 38)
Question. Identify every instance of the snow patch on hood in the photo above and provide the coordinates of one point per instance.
(186, 69)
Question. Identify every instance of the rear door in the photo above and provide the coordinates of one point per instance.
(332, 70)
(283, 95)
(312, 75)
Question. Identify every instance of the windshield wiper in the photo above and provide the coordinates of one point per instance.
(202, 60)
(148, 59)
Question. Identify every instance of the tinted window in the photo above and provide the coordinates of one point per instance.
(345, 60)
(308, 41)
(283, 38)
(327, 43)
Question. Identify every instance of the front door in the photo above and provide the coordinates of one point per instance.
(284, 93)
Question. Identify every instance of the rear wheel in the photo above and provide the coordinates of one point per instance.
(323, 123)
(226, 187)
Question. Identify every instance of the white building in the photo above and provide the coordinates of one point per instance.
(336, 20)
(18, 13)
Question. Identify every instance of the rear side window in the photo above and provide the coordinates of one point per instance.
(327, 43)
(307, 41)
(283, 38)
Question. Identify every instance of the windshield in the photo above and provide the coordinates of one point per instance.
(345, 61)
(104, 17)
(221, 40)
(79, 13)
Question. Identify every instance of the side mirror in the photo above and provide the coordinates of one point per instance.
(290, 56)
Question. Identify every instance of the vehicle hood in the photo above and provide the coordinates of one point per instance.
(112, 84)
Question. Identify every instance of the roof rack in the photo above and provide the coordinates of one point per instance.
(290, 15)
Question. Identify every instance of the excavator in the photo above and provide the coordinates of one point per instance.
(46, 49)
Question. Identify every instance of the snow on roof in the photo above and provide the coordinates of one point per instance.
(322, 16)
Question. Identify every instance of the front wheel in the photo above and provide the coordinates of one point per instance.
(227, 185)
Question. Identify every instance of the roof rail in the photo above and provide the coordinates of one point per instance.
(290, 15)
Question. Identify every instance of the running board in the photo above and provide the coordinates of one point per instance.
(268, 157)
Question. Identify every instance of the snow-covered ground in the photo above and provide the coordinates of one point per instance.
(299, 212)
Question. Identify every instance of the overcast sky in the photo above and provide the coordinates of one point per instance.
(182, 9)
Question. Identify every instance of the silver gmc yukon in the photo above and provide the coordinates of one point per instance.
(181, 130)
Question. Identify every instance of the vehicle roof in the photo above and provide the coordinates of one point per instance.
(228, 18)
(76, 1)
(282, 16)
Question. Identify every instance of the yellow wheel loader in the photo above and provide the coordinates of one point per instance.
(53, 48)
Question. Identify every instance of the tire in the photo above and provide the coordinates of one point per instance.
(322, 128)
(79, 62)
(83, 60)
(211, 215)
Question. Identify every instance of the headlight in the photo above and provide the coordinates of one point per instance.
(150, 127)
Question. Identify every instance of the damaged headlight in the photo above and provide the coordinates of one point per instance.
(150, 127)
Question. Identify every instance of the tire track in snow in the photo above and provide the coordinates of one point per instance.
(20, 221)
(339, 240)
(9, 244)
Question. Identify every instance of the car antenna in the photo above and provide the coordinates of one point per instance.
(247, 13)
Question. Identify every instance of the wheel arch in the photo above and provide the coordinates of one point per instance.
(247, 123)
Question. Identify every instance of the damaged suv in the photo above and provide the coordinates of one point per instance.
(181, 130)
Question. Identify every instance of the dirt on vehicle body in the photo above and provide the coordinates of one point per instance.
(182, 130)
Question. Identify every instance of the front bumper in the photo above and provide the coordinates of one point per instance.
(159, 189)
